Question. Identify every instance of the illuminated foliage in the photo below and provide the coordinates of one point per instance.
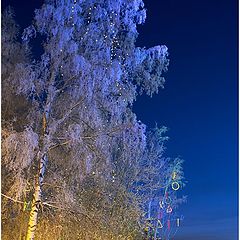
(79, 160)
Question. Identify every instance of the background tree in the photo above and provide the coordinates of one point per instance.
(14, 107)
(157, 182)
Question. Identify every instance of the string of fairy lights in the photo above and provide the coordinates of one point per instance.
(115, 52)
(115, 45)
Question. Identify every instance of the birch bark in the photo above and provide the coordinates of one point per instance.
(43, 158)
(37, 200)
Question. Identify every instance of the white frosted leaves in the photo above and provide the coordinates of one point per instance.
(23, 77)
(116, 70)
(79, 64)
(19, 149)
(140, 12)
(75, 133)
(71, 47)
(88, 164)
(45, 60)
(98, 14)
(43, 18)
(29, 32)
(137, 4)
(141, 16)
(148, 67)
(66, 34)
(158, 52)
(138, 56)
(65, 195)
(54, 31)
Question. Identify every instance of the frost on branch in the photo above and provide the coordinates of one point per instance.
(100, 157)
(28, 33)
(149, 66)
(75, 133)
(18, 151)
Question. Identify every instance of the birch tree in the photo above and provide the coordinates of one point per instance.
(78, 95)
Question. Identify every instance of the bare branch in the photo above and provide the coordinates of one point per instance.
(66, 115)
(14, 200)
(58, 145)
(67, 82)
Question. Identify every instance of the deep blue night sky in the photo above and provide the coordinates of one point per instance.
(198, 104)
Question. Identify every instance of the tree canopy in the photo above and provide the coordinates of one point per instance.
(76, 161)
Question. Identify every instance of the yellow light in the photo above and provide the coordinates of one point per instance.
(174, 175)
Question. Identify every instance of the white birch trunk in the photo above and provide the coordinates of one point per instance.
(37, 200)
(37, 196)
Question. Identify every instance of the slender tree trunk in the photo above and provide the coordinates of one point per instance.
(37, 200)
(43, 158)
(37, 196)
